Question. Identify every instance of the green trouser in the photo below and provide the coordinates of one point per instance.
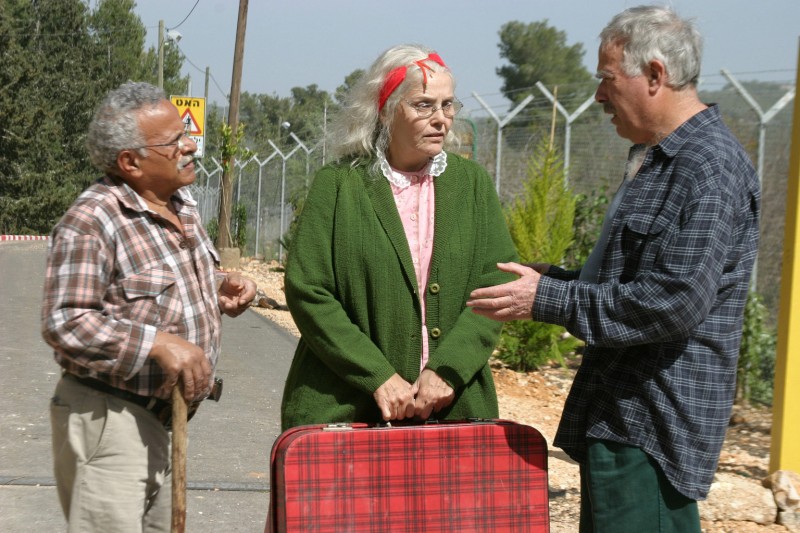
(623, 490)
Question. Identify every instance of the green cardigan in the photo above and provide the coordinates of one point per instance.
(352, 291)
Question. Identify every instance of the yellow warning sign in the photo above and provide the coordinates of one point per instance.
(193, 114)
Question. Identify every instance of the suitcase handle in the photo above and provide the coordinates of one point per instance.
(436, 421)
(347, 426)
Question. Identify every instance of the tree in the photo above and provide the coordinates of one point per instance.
(118, 37)
(349, 81)
(538, 52)
(41, 170)
(540, 220)
(308, 108)
(59, 61)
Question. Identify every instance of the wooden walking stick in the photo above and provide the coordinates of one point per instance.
(179, 442)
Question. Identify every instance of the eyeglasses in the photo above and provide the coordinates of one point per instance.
(426, 109)
(179, 142)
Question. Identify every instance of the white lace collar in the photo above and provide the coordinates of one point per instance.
(435, 167)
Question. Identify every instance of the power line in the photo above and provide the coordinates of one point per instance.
(213, 79)
(187, 16)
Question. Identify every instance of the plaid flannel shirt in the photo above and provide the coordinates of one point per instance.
(664, 322)
(116, 274)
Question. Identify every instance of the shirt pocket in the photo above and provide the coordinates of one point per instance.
(205, 241)
(643, 234)
(152, 297)
(646, 223)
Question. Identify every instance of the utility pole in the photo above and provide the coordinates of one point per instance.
(160, 54)
(205, 94)
(224, 237)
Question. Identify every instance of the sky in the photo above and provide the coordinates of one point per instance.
(296, 43)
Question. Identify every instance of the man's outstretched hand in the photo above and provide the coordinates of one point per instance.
(509, 301)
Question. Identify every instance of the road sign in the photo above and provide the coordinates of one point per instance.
(193, 114)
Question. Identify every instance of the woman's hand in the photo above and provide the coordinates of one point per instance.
(433, 395)
(395, 398)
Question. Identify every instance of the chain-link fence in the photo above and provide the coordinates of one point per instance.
(271, 185)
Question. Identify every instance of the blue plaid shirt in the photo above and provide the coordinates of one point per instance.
(664, 322)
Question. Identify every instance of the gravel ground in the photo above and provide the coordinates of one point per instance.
(537, 398)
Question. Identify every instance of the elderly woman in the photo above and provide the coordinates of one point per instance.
(391, 241)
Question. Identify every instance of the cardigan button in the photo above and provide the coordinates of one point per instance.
(434, 288)
(436, 333)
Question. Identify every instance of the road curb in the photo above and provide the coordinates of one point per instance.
(24, 237)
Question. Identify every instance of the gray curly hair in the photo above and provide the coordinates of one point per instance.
(653, 32)
(115, 127)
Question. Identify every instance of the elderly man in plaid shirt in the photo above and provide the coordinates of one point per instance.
(132, 304)
(659, 302)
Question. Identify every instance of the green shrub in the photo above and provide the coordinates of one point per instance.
(541, 225)
(212, 228)
(590, 210)
(540, 220)
(297, 202)
(239, 216)
(239, 224)
(756, 368)
(527, 345)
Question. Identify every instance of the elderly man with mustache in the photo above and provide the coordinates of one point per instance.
(132, 304)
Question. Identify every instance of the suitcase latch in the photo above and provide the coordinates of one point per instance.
(340, 426)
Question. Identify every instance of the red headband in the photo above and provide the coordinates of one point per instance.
(397, 75)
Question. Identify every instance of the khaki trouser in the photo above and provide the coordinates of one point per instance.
(111, 462)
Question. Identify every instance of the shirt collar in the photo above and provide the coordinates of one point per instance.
(672, 143)
(131, 199)
(435, 167)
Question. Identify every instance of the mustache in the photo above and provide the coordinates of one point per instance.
(609, 109)
(184, 161)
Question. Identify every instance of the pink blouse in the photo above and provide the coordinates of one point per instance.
(414, 196)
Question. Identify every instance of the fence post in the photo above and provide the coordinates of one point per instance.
(306, 150)
(201, 192)
(569, 119)
(500, 125)
(763, 119)
(284, 157)
(258, 199)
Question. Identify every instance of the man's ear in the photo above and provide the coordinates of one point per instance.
(128, 163)
(656, 75)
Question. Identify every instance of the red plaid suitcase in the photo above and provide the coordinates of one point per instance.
(485, 475)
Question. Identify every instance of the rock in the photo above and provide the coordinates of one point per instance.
(737, 419)
(229, 258)
(737, 498)
(790, 520)
(262, 300)
(784, 484)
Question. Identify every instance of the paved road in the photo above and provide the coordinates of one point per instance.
(229, 442)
